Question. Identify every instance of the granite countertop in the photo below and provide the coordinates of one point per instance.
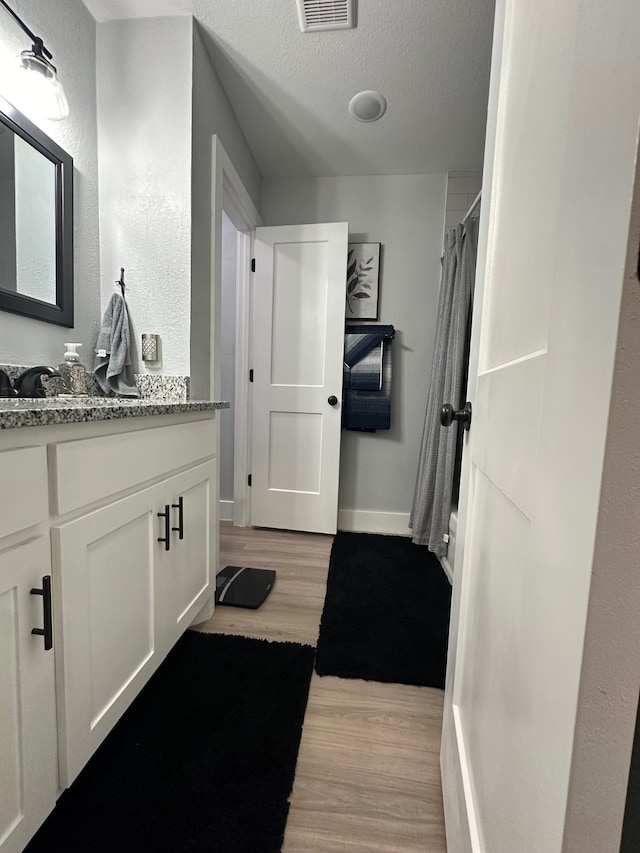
(71, 410)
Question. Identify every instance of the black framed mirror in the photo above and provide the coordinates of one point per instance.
(36, 221)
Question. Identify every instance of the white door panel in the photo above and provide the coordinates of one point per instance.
(506, 423)
(546, 307)
(299, 313)
(298, 345)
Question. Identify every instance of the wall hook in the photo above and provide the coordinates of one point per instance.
(120, 282)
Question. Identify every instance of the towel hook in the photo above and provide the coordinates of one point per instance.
(120, 282)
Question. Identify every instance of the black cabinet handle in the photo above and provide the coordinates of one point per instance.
(167, 527)
(47, 631)
(332, 400)
(180, 507)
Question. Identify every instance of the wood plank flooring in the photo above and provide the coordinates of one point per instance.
(368, 774)
(293, 609)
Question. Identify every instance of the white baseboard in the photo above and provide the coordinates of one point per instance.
(370, 521)
(226, 510)
(448, 569)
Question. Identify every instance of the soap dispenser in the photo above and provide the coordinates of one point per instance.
(74, 375)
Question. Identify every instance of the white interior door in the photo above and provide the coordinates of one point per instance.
(298, 347)
(551, 262)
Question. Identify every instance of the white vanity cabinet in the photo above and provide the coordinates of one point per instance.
(186, 573)
(130, 575)
(107, 563)
(28, 740)
(84, 505)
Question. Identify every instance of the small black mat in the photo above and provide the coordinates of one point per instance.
(204, 759)
(386, 612)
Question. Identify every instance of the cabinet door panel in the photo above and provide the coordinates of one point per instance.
(188, 584)
(108, 562)
(28, 748)
(120, 607)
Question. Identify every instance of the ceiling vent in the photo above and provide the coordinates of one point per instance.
(325, 15)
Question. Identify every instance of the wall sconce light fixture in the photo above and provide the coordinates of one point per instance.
(36, 79)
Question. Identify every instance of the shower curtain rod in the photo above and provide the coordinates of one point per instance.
(476, 202)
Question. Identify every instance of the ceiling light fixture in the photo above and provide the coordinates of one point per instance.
(367, 106)
(36, 79)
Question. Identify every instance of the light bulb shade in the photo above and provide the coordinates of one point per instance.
(37, 85)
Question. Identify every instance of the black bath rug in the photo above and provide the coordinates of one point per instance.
(386, 612)
(204, 759)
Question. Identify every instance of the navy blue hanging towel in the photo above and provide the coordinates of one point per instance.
(367, 377)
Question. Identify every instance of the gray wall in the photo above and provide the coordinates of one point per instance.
(405, 213)
(155, 197)
(212, 114)
(155, 132)
(144, 132)
(68, 30)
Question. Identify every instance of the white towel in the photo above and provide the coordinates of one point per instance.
(113, 369)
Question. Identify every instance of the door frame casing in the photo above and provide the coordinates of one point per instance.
(228, 193)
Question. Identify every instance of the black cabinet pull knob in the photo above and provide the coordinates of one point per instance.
(180, 507)
(448, 415)
(167, 527)
(47, 631)
(332, 401)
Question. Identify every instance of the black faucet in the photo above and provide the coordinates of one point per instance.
(29, 383)
(6, 388)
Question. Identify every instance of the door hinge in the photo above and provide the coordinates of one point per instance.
(253, 264)
(249, 480)
(251, 375)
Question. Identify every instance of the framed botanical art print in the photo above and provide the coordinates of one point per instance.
(363, 268)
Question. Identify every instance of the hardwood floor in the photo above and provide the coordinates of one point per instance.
(368, 774)
(293, 609)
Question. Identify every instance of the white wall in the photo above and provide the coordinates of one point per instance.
(610, 674)
(462, 189)
(155, 181)
(144, 133)
(405, 213)
(212, 114)
(68, 30)
(154, 130)
(606, 136)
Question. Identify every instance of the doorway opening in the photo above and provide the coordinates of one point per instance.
(233, 223)
(230, 261)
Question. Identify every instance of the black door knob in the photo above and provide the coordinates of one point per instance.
(332, 400)
(448, 415)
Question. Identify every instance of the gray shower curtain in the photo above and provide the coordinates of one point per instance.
(429, 518)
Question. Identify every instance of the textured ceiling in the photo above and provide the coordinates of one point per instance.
(290, 90)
